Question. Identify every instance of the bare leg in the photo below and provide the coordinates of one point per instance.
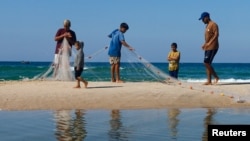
(80, 79)
(117, 70)
(215, 75)
(84, 82)
(112, 71)
(77, 83)
(208, 71)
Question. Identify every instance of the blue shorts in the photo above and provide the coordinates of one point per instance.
(209, 56)
(78, 73)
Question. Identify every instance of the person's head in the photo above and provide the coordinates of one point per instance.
(79, 44)
(205, 17)
(66, 24)
(174, 46)
(124, 27)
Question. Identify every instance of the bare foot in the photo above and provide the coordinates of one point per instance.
(216, 80)
(77, 87)
(86, 84)
(207, 83)
(113, 80)
(119, 81)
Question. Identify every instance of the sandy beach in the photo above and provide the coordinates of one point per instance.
(56, 95)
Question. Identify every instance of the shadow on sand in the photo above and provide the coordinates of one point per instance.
(234, 83)
(103, 87)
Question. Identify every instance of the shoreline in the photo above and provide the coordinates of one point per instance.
(59, 95)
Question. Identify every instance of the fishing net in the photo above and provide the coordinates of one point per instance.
(61, 68)
(134, 68)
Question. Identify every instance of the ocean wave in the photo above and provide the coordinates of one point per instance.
(72, 68)
(41, 67)
(230, 80)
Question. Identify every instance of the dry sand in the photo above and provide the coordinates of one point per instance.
(57, 95)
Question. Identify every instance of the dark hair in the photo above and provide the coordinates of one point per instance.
(80, 43)
(124, 25)
(174, 44)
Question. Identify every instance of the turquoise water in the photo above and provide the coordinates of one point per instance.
(96, 71)
(114, 125)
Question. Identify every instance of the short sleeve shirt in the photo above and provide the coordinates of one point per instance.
(212, 31)
(174, 65)
(115, 44)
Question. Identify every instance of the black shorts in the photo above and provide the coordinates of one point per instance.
(209, 56)
(78, 73)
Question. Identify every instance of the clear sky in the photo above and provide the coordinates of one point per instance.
(28, 27)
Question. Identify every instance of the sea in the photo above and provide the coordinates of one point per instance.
(121, 125)
(131, 72)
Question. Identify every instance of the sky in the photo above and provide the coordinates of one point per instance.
(28, 27)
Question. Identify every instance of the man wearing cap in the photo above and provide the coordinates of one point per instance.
(117, 40)
(210, 46)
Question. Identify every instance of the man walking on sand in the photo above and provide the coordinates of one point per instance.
(210, 46)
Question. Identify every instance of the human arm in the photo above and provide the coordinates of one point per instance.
(61, 36)
(174, 56)
(124, 43)
(71, 38)
(213, 34)
(69, 35)
(168, 57)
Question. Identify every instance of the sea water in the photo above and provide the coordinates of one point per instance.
(114, 125)
(131, 72)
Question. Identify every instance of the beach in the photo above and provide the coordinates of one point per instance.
(57, 95)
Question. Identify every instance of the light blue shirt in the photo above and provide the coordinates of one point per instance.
(115, 43)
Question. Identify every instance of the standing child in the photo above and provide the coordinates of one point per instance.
(117, 40)
(173, 58)
(79, 64)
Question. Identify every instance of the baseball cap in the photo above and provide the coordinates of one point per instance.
(203, 15)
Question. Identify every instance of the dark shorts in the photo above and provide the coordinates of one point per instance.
(78, 73)
(209, 56)
(174, 73)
